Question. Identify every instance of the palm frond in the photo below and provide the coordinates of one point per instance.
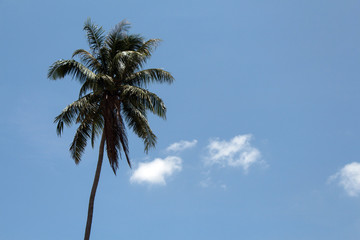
(141, 97)
(120, 29)
(126, 62)
(71, 113)
(88, 86)
(95, 35)
(97, 85)
(122, 135)
(77, 70)
(137, 121)
(149, 46)
(125, 43)
(97, 126)
(134, 59)
(79, 143)
(89, 60)
(104, 58)
(115, 39)
(132, 42)
(112, 139)
(147, 76)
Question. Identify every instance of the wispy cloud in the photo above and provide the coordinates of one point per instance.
(156, 171)
(181, 146)
(237, 152)
(208, 182)
(349, 178)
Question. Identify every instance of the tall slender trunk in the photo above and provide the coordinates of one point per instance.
(94, 187)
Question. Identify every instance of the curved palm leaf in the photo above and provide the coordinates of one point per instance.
(138, 122)
(149, 46)
(141, 97)
(147, 76)
(95, 35)
(77, 70)
(123, 135)
(71, 113)
(116, 39)
(89, 60)
(79, 143)
(97, 126)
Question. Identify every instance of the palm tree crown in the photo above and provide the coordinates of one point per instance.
(112, 92)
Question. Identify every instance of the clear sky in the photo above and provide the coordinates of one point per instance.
(262, 136)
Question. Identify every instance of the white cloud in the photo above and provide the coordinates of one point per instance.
(349, 178)
(156, 171)
(237, 152)
(181, 146)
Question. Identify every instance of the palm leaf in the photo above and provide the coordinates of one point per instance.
(97, 126)
(115, 39)
(122, 135)
(77, 70)
(145, 98)
(95, 35)
(112, 137)
(149, 46)
(126, 62)
(138, 123)
(71, 113)
(147, 76)
(79, 143)
(89, 60)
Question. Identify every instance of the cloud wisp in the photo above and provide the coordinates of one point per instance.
(349, 178)
(156, 171)
(237, 152)
(181, 146)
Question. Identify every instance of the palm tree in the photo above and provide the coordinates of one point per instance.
(112, 93)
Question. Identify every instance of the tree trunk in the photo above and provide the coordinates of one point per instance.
(94, 187)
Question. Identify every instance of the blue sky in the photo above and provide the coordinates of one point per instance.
(262, 133)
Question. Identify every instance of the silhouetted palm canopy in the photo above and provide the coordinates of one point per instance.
(112, 91)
